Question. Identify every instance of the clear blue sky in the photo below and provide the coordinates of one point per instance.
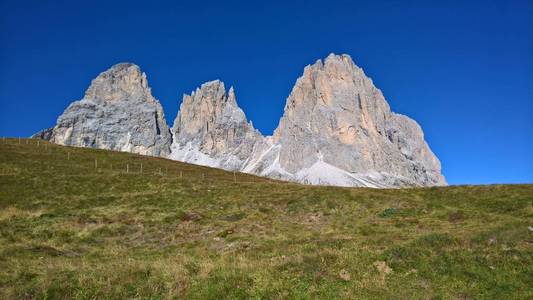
(462, 69)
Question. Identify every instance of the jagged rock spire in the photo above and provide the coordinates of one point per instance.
(212, 130)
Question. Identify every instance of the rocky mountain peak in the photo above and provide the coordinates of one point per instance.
(215, 92)
(123, 81)
(338, 90)
(337, 121)
(211, 129)
(336, 129)
(232, 100)
(118, 112)
(207, 105)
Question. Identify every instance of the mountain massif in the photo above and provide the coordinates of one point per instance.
(337, 129)
(118, 112)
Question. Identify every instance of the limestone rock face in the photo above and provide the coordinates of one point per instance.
(118, 112)
(210, 129)
(338, 129)
(44, 134)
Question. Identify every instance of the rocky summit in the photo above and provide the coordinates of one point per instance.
(337, 129)
(210, 129)
(118, 112)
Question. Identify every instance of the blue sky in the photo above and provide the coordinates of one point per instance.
(462, 69)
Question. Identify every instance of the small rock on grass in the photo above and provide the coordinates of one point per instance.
(344, 275)
(382, 267)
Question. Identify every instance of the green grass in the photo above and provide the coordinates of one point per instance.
(69, 230)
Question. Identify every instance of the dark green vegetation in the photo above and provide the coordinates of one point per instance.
(69, 230)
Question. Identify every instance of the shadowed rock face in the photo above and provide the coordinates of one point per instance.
(337, 129)
(44, 134)
(118, 112)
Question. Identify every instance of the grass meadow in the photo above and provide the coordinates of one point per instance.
(88, 224)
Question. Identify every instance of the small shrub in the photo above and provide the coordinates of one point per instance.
(388, 212)
(225, 233)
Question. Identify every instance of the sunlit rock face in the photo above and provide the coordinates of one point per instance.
(210, 129)
(337, 129)
(118, 112)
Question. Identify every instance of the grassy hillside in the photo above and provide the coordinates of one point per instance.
(75, 225)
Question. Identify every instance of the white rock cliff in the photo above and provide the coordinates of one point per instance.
(118, 112)
(212, 130)
(337, 129)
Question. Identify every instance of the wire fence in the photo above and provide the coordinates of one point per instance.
(78, 161)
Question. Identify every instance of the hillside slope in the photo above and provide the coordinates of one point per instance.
(83, 224)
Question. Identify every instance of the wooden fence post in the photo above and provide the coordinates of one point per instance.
(68, 155)
(181, 174)
(141, 168)
(95, 163)
(234, 177)
(127, 168)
